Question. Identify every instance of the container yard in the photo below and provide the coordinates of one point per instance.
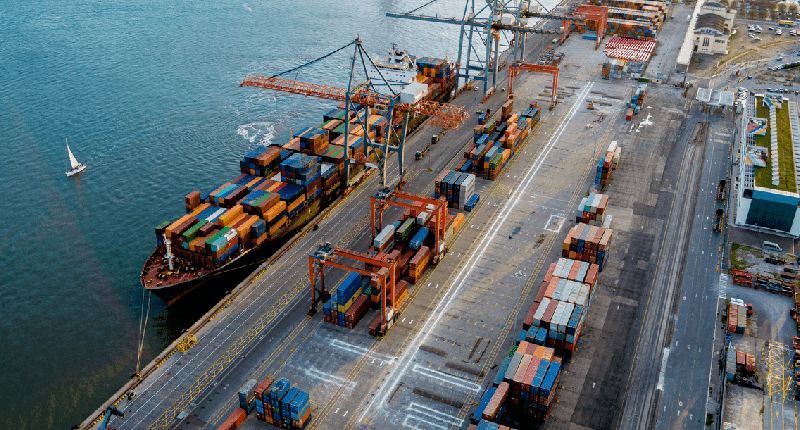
(494, 291)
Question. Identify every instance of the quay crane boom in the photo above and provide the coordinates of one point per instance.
(452, 116)
(442, 114)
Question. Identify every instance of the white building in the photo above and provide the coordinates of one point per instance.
(712, 29)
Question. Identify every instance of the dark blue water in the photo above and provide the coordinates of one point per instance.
(147, 94)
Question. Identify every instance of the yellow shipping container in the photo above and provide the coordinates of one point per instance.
(251, 183)
(226, 219)
(297, 203)
(345, 307)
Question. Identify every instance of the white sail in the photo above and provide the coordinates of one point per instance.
(73, 162)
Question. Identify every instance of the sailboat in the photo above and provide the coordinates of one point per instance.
(73, 166)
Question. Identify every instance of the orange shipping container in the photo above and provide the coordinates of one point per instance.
(235, 420)
(226, 219)
(457, 221)
(277, 226)
(275, 211)
(177, 224)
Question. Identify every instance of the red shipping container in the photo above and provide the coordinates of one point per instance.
(530, 373)
(235, 420)
(548, 313)
(261, 387)
(496, 402)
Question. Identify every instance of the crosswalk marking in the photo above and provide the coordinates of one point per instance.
(723, 283)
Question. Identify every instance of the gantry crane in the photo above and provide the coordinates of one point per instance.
(498, 16)
(436, 207)
(328, 255)
(443, 114)
(516, 67)
(598, 14)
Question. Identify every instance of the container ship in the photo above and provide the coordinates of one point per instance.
(279, 190)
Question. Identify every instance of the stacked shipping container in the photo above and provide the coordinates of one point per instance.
(524, 388)
(587, 243)
(607, 164)
(455, 187)
(592, 210)
(495, 142)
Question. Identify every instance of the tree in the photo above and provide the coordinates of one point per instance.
(793, 8)
(782, 7)
(724, 3)
(763, 14)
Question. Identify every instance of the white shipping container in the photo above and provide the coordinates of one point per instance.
(423, 218)
(413, 93)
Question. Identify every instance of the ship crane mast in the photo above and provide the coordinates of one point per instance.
(443, 114)
(495, 16)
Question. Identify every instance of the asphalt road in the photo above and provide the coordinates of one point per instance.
(685, 379)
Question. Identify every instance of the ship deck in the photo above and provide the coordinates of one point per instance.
(460, 320)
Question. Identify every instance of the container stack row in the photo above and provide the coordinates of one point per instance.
(634, 4)
(587, 243)
(347, 305)
(274, 402)
(253, 207)
(573, 270)
(614, 68)
(636, 102)
(495, 142)
(592, 210)
(730, 364)
(281, 405)
(654, 17)
(435, 68)
(409, 242)
(607, 164)
(455, 187)
(524, 387)
(304, 170)
(262, 161)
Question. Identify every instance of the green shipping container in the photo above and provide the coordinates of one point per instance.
(191, 234)
(162, 227)
(405, 231)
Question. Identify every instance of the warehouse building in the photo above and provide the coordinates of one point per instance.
(767, 197)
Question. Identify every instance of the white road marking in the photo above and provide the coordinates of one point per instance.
(444, 377)
(723, 285)
(394, 377)
(663, 372)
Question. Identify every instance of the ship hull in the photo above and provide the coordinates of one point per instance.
(204, 281)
